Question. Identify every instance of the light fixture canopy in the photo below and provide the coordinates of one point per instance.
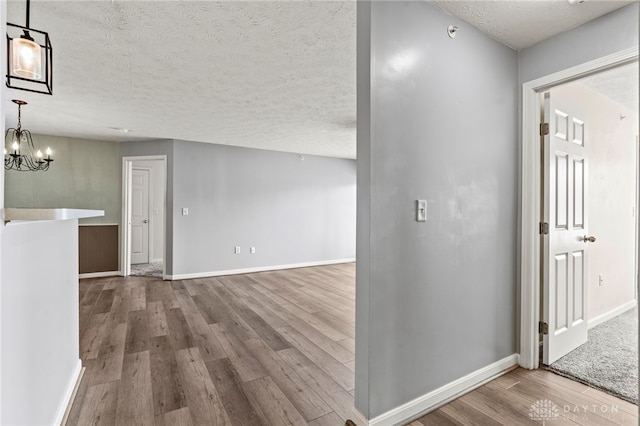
(29, 58)
(20, 153)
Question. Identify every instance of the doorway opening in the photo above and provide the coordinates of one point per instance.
(589, 254)
(596, 207)
(143, 241)
(531, 206)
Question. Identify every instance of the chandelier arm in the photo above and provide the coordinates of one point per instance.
(9, 130)
(30, 156)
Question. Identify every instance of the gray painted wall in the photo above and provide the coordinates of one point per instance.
(608, 34)
(438, 300)
(363, 225)
(440, 296)
(85, 174)
(291, 210)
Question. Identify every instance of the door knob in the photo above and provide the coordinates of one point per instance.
(146, 221)
(589, 239)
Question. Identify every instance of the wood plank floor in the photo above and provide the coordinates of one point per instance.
(272, 348)
(512, 400)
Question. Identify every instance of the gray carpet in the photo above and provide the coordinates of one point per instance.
(609, 360)
(147, 269)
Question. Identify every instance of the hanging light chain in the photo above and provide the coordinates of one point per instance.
(19, 118)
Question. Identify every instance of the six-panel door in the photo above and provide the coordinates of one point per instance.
(565, 210)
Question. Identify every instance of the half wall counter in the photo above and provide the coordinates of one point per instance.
(40, 314)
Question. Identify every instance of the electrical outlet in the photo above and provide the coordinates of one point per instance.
(185, 211)
(237, 250)
(252, 250)
(600, 279)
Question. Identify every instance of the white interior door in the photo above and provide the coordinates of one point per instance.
(140, 216)
(566, 244)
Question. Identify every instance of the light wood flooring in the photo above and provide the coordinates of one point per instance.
(511, 399)
(273, 348)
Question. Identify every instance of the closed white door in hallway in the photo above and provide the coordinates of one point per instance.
(140, 216)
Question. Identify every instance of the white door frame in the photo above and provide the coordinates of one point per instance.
(125, 238)
(530, 201)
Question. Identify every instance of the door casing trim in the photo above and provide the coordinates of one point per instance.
(125, 231)
(530, 199)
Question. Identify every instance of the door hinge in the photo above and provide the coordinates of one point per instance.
(544, 129)
(544, 228)
(543, 327)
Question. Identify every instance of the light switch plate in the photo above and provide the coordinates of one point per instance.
(421, 210)
(185, 211)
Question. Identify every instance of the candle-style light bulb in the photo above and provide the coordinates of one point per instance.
(39, 154)
(5, 151)
(49, 152)
(15, 146)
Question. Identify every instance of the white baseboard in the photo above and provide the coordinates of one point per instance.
(612, 313)
(256, 269)
(358, 418)
(155, 260)
(69, 393)
(420, 406)
(100, 274)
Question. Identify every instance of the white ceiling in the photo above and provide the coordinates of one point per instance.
(273, 75)
(520, 24)
(618, 84)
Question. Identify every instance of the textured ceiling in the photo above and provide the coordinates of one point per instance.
(520, 24)
(273, 75)
(618, 84)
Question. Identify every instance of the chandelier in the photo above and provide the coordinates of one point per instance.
(21, 154)
(29, 58)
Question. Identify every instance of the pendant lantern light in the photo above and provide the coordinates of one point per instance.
(29, 58)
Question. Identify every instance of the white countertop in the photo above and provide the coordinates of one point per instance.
(48, 214)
